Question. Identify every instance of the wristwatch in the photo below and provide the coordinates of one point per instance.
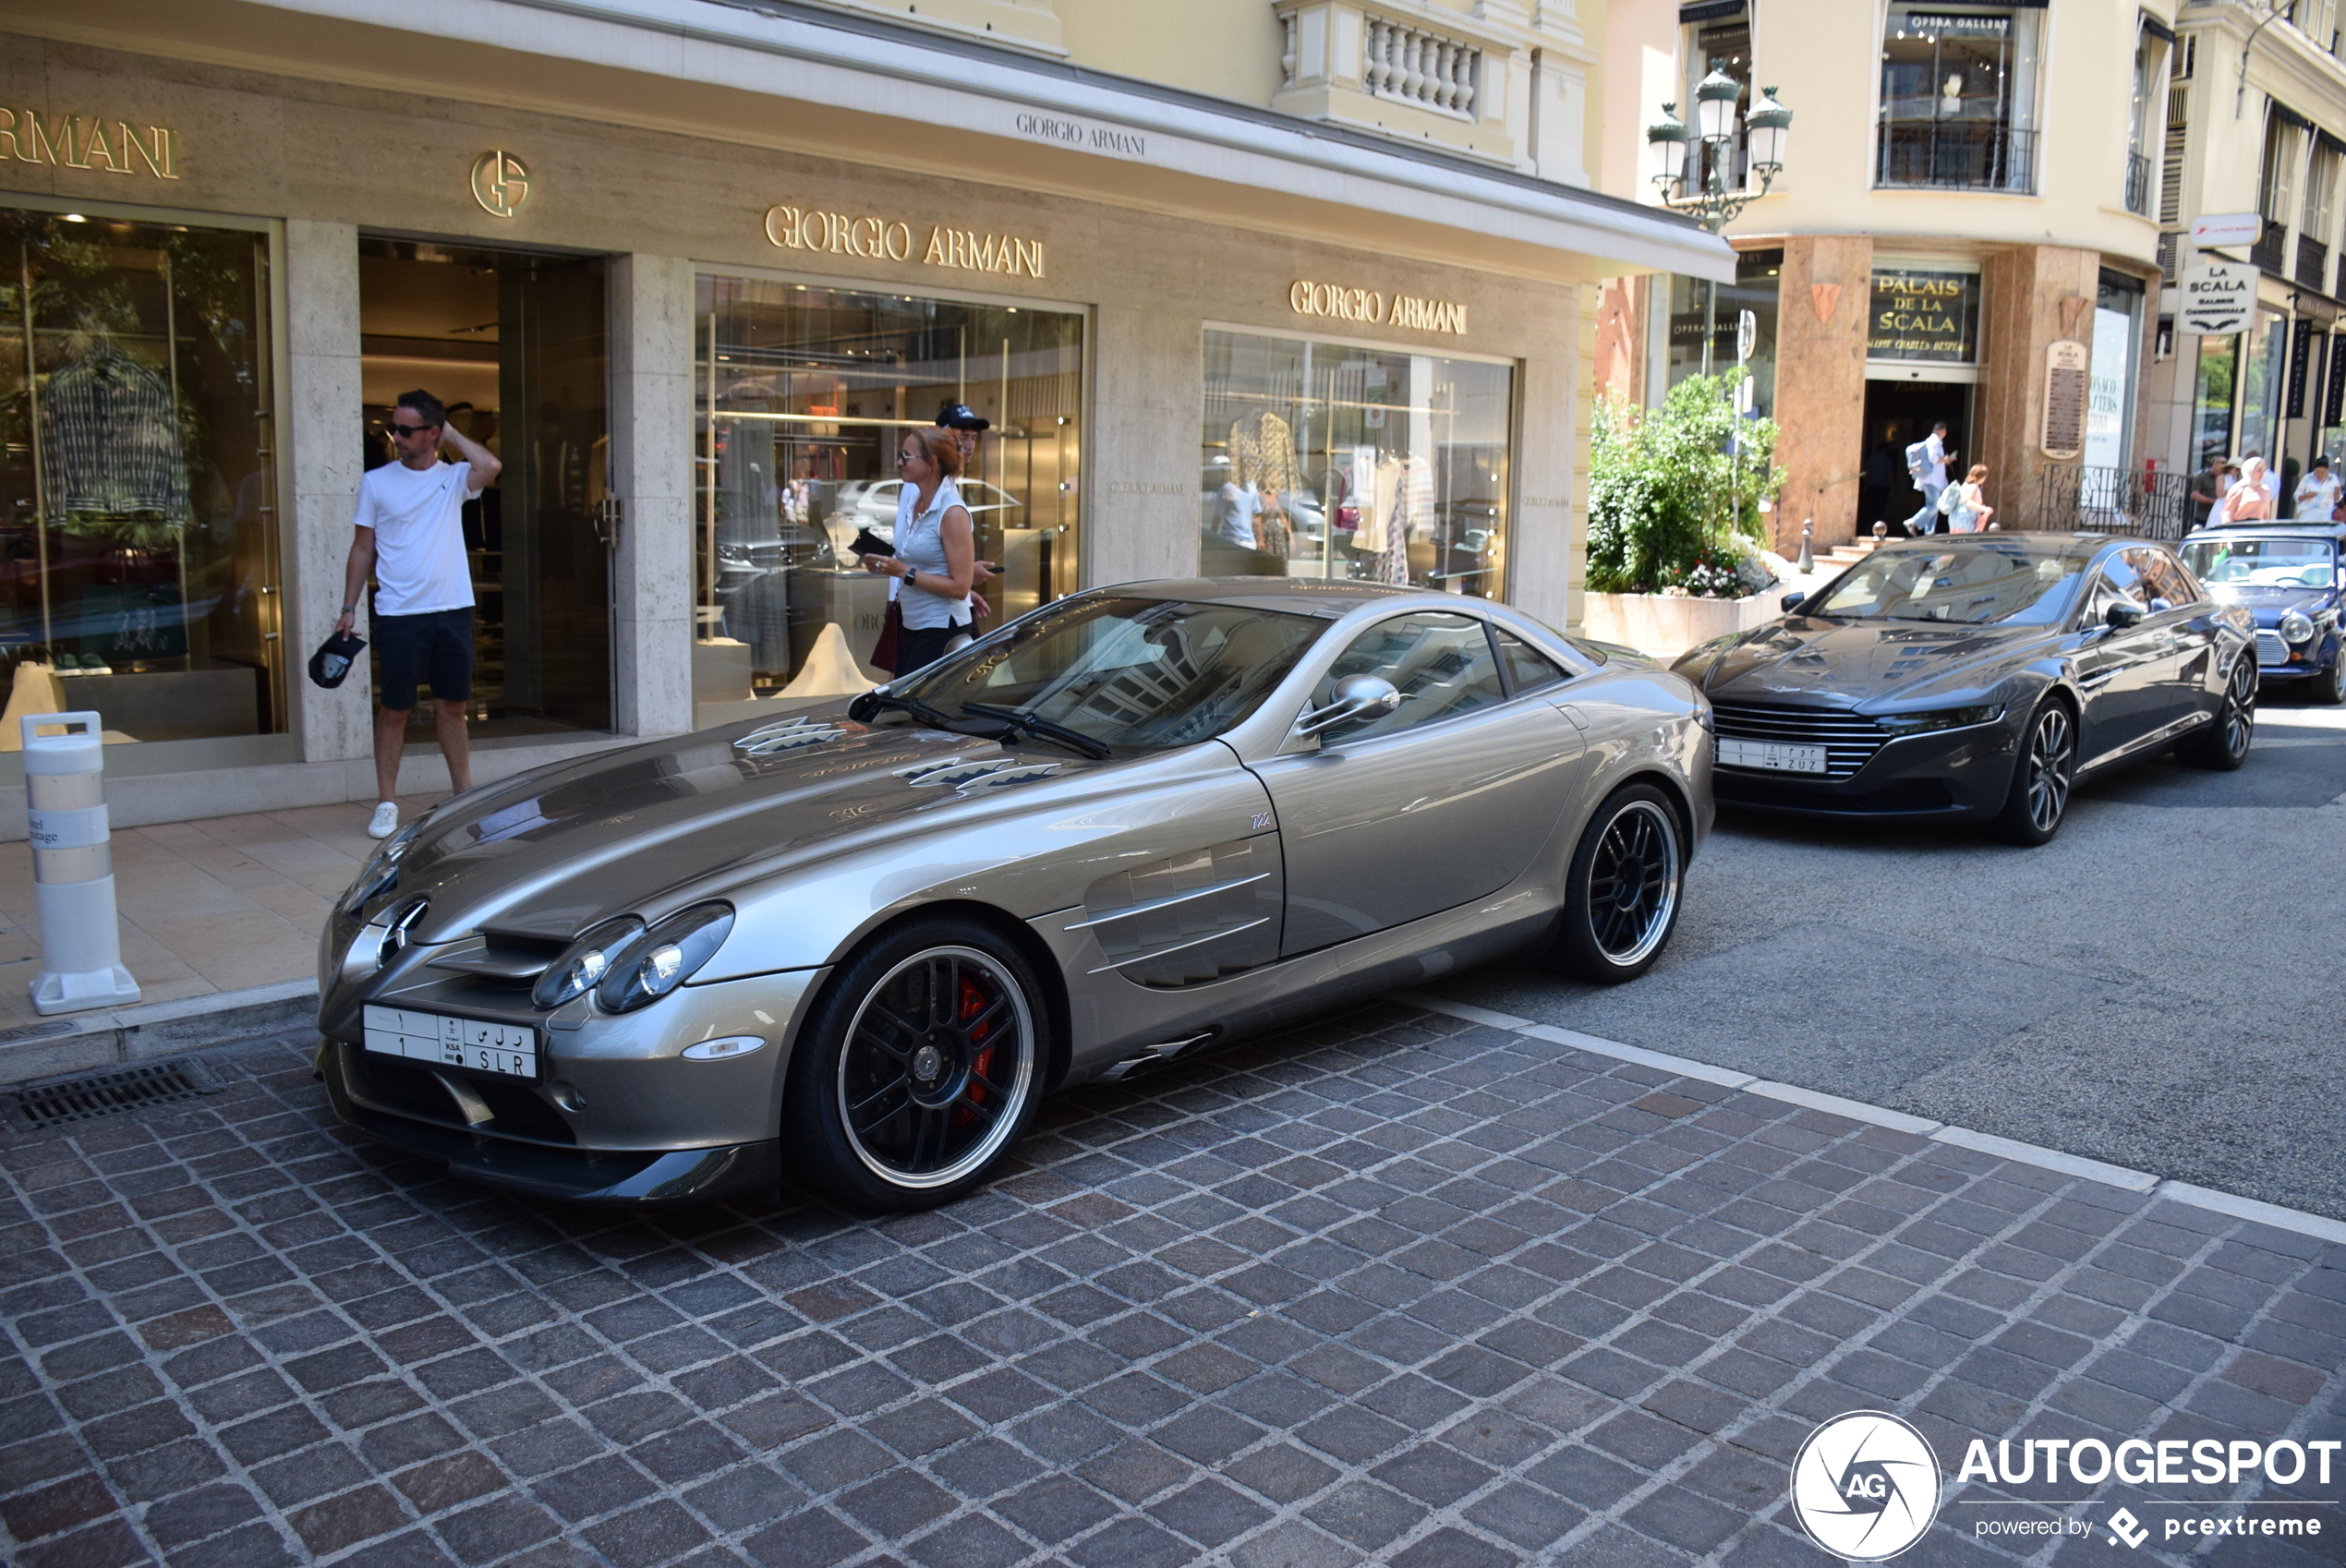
(912, 576)
(350, 609)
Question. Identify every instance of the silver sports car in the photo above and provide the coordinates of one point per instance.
(853, 947)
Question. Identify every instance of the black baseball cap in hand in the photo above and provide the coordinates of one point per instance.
(960, 416)
(330, 666)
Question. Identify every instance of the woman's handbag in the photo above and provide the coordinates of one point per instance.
(892, 629)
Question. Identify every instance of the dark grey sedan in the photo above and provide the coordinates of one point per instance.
(1979, 678)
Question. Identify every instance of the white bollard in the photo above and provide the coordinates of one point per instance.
(64, 791)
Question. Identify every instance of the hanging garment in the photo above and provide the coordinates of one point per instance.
(1262, 456)
(110, 447)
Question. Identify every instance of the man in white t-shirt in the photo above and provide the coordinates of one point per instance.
(410, 534)
(2318, 494)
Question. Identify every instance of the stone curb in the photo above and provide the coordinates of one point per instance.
(94, 1040)
(2295, 1220)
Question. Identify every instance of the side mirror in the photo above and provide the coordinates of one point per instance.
(2124, 613)
(1357, 696)
(1793, 602)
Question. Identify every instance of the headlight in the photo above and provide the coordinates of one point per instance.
(586, 961)
(664, 958)
(2296, 627)
(383, 867)
(1941, 718)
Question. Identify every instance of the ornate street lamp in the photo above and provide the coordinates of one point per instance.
(1671, 159)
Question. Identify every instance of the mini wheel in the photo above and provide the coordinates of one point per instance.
(917, 1069)
(1621, 893)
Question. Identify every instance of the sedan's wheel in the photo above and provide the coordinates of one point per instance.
(2223, 745)
(917, 1069)
(2041, 779)
(1622, 894)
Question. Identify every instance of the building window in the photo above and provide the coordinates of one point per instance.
(1723, 40)
(2138, 129)
(1344, 463)
(2315, 215)
(2212, 399)
(1958, 99)
(1754, 290)
(139, 459)
(802, 398)
(2110, 406)
(2276, 184)
(2266, 355)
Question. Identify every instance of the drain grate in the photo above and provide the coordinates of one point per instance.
(106, 1094)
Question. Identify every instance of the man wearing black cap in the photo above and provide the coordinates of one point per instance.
(968, 425)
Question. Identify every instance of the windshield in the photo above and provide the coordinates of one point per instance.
(1124, 672)
(2265, 563)
(1966, 585)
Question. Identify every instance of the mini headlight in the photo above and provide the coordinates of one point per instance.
(1941, 718)
(584, 963)
(2296, 627)
(664, 958)
(382, 869)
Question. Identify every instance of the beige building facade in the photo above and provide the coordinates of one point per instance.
(691, 270)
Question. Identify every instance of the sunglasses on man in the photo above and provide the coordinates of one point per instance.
(399, 429)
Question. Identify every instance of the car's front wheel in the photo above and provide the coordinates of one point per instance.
(2041, 778)
(1621, 896)
(918, 1068)
(2329, 686)
(2223, 744)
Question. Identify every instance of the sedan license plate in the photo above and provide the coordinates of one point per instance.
(1771, 756)
(443, 1040)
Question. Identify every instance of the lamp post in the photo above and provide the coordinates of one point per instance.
(1705, 197)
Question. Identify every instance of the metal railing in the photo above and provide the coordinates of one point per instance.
(2313, 263)
(2074, 498)
(1955, 155)
(2268, 250)
(2139, 184)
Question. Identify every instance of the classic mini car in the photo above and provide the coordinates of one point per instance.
(856, 944)
(1979, 677)
(2291, 577)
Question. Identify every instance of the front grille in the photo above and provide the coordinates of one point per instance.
(107, 1094)
(2270, 649)
(1850, 739)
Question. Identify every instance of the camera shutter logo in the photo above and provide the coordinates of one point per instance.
(1865, 1486)
(500, 183)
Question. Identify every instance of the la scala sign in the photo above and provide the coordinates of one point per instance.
(2218, 299)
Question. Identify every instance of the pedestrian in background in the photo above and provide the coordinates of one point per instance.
(2207, 490)
(2251, 499)
(2318, 494)
(409, 532)
(1927, 461)
(935, 552)
(1971, 510)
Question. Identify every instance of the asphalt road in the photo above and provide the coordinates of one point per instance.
(2163, 986)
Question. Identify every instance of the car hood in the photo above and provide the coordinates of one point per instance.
(2269, 602)
(1804, 659)
(645, 829)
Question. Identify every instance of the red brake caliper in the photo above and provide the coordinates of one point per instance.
(972, 1003)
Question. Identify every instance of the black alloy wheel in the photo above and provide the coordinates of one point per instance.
(2222, 744)
(1621, 893)
(918, 1068)
(2042, 778)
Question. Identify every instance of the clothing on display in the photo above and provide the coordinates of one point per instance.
(110, 444)
(1262, 462)
(1401, 503)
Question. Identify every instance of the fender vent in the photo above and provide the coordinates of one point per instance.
(107, 1094)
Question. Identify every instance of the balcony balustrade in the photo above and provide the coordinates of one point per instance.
(1956, 155)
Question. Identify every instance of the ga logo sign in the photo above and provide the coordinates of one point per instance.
(1865, 1486)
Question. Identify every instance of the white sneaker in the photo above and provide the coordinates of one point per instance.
(385, 822)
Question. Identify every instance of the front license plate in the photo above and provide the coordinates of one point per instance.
(443, 1040)
(1772, 756)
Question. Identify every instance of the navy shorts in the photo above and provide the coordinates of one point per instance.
(435, 647)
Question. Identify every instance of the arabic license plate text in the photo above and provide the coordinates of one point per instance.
(1771, 756)
(441, 1041)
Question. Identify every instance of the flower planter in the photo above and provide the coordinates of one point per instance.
(1665, 625)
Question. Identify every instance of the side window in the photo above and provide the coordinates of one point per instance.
(1527, 668)
(2116, 580)
(1440, 663)
(2164, 578)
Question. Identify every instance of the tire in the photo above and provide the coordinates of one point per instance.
(2223, 745)
(2042, 776)
(1622, 892)
(918, 1068)
(2329, 686)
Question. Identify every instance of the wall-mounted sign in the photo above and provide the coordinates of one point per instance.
(84, 141)
(1942, 24)
(2227, 228)
(886, 239)
(500, 183)
(1342, 304)
(1083, 134)
(2068, 369)
(1920, 314)
(2217, 298)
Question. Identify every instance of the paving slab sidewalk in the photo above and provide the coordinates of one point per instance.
(1398, 1288)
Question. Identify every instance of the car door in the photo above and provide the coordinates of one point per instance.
(2121, 671)
(1425, 809)
(2191, 625)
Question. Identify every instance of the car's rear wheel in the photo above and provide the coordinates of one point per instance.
(1622, 892)
(2223, 744)
(918, 1068)
(2041, 778)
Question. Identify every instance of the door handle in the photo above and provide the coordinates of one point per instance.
(607, 517)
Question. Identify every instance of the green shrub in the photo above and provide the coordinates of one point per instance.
(1672, 502)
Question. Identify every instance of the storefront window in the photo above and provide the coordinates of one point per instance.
(137, 486)
(1375, 464)
(2110, 387)
(803, 395)
(1754, 290)
(1958, 97)
(2266, 350)
(2212, 399)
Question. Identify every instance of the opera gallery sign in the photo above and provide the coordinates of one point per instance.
(2218, 298)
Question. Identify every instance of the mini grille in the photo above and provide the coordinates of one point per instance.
(2270, 649)
(1850, 739)
(105, 1093)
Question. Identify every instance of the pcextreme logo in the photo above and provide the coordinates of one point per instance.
(1865, 1486)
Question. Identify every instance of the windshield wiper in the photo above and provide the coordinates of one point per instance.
(1027, 721)
(869, 703)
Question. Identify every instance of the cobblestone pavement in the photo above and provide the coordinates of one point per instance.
(1394, 1289)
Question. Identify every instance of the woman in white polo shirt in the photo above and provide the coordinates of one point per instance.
(935, 555)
